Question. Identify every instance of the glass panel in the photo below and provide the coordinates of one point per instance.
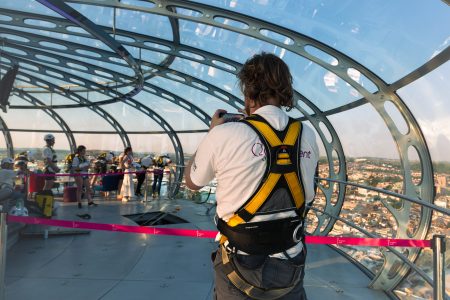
(100, 142)
(208, 103)
(144, 23)
(53, 45)
(65, 37)
(144, 144)
(34, 142)
(214, 76)
(151, 143)
(5, 18)
(130, 118)
(100, 15)
(146, 55)
(39, 23)
(324, 88)
(14, 37)
(84, 119)
(29, 119)
(427, 98)
(29, 6)
(368, 146)
(385, 37)
(231, 22)
(209, 38)
(178, 117)
(45, 79)
(139, 3)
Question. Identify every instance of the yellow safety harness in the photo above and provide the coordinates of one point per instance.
(281, 181)
(282, 172)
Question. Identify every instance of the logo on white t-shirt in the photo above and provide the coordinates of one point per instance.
(258, 149)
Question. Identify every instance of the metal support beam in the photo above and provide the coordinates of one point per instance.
(52, 88)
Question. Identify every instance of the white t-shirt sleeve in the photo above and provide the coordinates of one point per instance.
(309, 157)
(202, 170)
(47, 153)
(75, 162)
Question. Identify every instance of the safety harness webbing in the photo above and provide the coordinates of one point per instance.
(280, 165)
(250, 290)
(282, 171)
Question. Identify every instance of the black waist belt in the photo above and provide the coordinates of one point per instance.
(263, 238)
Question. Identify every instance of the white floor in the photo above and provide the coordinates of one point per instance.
(115, 265)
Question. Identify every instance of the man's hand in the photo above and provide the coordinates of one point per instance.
(216, 120)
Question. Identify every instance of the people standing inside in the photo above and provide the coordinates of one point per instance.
(264, 183)
(101, 165)
(80, 168)
(127, 163)
(159, 164)
(9, 198)
(50, 160)
(120, 169)
(21, 166)
(145, 163)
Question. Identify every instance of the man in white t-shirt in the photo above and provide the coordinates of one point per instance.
(261, 253)
(50, 161)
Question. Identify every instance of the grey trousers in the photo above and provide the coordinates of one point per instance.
(262, 271)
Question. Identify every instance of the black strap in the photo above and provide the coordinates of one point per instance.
(229, 268)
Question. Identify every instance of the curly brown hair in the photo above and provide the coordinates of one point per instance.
(265, 76)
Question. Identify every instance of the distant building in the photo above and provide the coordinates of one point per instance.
(440, 183)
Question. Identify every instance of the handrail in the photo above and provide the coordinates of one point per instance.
(429, 205)
(394, 251)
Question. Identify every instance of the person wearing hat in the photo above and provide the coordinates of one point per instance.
(8, 196)
(50, 160)
(101, 165)
(21, 165)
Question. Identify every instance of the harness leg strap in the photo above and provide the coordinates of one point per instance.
(250, 290)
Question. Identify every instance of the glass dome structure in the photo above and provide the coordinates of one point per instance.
(369, 77)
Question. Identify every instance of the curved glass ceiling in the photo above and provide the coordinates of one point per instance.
(342, 54)
(391, 38)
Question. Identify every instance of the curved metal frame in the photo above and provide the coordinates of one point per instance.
(8, 139)
(74, 97)
(412, 139)
(151, 88)
(137, 105)
(53, 114)
(75, 17)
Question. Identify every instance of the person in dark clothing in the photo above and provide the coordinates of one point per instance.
(145, 163)
(159, 164)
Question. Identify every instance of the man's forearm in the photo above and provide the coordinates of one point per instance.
(187, 175)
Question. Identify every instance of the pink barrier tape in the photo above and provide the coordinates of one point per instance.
(90, 174)
(210, 234)
(368, 242)
(115, 227)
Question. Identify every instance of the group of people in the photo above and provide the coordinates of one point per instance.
(129, 166)
(125, 164)
(14, 174)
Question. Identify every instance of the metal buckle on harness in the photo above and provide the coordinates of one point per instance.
(295, 235)
(228, 249)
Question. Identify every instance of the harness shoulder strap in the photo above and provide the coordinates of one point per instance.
(281, 164)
